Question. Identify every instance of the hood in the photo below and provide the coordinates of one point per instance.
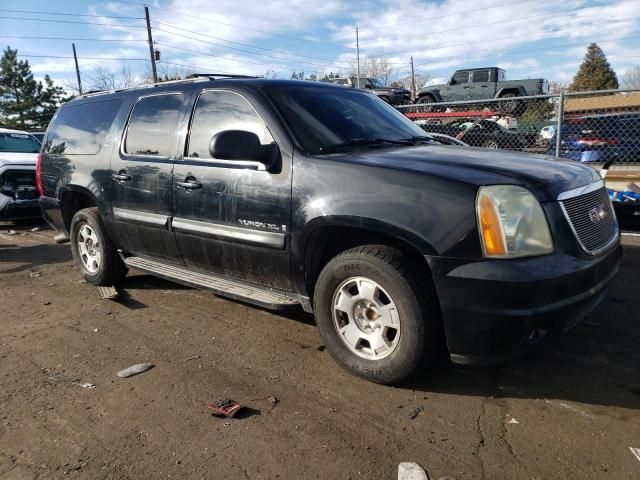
(14, 158)
(545, 177)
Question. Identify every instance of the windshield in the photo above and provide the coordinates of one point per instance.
(375, 83)
(19, 143)
(322, 117)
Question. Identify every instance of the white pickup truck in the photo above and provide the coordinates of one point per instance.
(18, 192)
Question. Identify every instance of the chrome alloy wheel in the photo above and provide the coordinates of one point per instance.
(89, 248)
(366, 318)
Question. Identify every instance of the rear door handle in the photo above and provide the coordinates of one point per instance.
(189, 183)
(121, 176)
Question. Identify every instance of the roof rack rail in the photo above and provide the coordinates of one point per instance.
(218, 75)
(194, 77)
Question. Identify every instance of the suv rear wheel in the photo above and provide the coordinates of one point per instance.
(93, 252)
(374, 314)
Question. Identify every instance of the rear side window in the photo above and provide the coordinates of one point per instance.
(153, 126)
(481, 76)
(80, 129)
(221, 110)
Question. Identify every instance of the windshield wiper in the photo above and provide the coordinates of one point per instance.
(366, 141)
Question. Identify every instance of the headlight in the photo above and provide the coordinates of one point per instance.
(511, 223)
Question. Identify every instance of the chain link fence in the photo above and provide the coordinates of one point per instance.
(596, 128)
(600, 129)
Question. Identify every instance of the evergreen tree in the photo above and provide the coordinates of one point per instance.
(51, 98)
(19, 92)
(595, 73)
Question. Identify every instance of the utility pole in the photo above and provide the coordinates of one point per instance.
(75, 59)
(413, 82)
(358, 58)
(151, 52)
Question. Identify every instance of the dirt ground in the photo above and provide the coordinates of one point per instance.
(570, 411)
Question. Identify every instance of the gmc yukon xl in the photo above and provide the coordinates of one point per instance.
(289, 194)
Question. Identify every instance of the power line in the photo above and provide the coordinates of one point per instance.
(75, 39)
(242, 27)
(84, 58)
(194, 67)
(71, 21)
(230, 41)
(422, 19)
(280, 67)
(66, 14)
(242, 50)
(463, 27)
(491, 40)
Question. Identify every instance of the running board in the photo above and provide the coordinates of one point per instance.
(238, 290)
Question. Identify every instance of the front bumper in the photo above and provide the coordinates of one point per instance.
(496, 309)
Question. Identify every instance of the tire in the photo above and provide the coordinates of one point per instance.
(510, 106)
(399, 295)
(491, 144)
(425, 100)
(93, 252)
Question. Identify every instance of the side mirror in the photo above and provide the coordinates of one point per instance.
(240, 145)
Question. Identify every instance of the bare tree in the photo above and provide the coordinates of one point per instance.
(631, 78)
(377, 67)
(405, 82)
(104, 78)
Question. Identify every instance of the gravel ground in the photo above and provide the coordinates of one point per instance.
(570, 410)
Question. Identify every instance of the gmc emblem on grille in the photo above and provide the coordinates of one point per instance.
(597, 214)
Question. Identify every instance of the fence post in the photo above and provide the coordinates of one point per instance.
(559, 119)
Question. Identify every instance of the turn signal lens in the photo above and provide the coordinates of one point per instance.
(491, 230)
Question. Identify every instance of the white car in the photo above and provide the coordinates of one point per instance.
(18, 192)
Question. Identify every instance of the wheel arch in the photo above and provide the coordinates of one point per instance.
(518, 91)
(72, 199)
(324, 238)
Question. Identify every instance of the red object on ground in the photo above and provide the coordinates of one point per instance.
(225, 408)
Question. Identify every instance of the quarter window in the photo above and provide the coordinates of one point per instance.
(153, 126)
(217, 111)
(79, 129)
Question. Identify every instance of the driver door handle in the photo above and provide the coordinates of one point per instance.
(121, 176)
(189, 183)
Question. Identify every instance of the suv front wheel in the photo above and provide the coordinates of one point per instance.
(375, 315)
(93, 252)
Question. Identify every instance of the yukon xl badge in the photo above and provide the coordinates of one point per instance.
(597, 214)
(261, 225)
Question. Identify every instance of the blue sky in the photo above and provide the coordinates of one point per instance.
(529, 38)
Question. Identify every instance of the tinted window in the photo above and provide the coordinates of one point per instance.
(80, 129)
(481, 76)
(321, 117)
(153, 126)
(461, 77)
(18, 142)
(217, 111)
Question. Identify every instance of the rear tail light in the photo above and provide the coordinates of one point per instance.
(597, 141)
(39, 175)
(460, 135)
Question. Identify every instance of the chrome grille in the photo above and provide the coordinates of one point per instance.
(592, 219)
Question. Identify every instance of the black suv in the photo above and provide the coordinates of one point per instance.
(287, 193)
(391, 95)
